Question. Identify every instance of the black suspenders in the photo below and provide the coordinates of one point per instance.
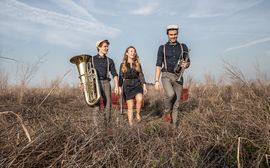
(164, 54)
(108, 66)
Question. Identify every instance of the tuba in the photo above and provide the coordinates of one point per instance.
(88, 77)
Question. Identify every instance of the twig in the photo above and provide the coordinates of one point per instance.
(21, 122)
(238, 152)
(140, 144)
(9, 59)
(53, 88)
(266, 158)
(16, 156)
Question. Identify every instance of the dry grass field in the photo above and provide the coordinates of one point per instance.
(220, 125)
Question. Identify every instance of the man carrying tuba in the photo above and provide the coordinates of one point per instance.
(103, 66)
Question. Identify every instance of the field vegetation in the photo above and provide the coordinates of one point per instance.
(222, 124)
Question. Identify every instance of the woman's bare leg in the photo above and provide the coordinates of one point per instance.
(139, 100)
(130, 104)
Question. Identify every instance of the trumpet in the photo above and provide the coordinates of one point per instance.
(178, 70)
(88, 77)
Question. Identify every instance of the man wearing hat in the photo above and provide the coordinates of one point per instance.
(168, 57)
(105, 65)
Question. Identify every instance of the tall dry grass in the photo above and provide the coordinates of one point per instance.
(220, 125)
(3, 80)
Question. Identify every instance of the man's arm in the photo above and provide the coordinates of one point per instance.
(157, 76)
(159, 63)
(115, 76)
(116, 86)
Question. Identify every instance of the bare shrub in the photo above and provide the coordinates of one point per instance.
(26, 73)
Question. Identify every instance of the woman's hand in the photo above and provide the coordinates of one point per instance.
(144, 89)
(157, 85)
(116, 90)
(120, 91)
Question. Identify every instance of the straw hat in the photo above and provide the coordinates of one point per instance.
(172, 27)
(100, 41)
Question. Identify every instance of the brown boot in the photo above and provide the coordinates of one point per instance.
(167, 117)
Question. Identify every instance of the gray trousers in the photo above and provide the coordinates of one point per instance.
(105, 89)
(173, 92)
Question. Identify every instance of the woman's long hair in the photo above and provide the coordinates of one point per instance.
(125, 61)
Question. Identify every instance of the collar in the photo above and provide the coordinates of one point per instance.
(173, 44)
(99, 56)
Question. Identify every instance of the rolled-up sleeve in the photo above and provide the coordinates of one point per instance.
(112, 68)
(160, 56)
(186, 54)
(141, 76)
(120, 81)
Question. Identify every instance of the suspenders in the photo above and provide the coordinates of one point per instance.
(164, 54)
(108, 66)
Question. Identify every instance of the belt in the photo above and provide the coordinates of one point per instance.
(104, 79)
(168, 71)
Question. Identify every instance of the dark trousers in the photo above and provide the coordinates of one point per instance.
(173, 92)
(105, 89)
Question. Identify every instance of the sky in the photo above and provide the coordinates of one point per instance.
(46, 34)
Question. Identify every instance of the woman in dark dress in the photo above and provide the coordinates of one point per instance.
(131, 79)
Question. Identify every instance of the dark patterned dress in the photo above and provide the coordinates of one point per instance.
(132, 82)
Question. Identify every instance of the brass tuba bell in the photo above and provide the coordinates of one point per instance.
(88, 77)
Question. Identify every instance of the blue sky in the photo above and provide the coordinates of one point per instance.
(237, 31)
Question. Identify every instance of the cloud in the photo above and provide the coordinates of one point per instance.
(259, 41)
(214, 8)
(74, 9)
(70, 40)
(108, 10)
(146, 9)
(13, 9)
